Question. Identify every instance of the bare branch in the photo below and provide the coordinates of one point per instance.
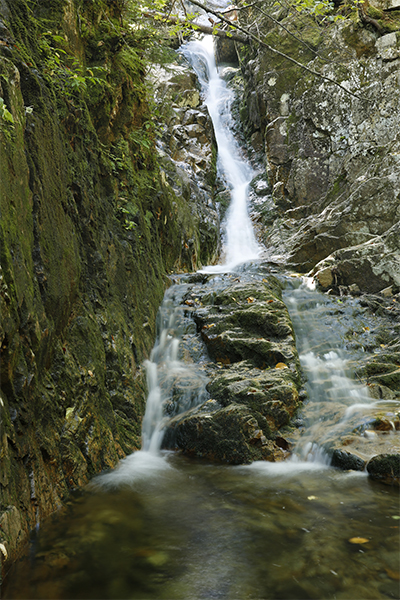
(274, 50)
(197, 26)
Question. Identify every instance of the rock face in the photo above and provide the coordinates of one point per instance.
(89, 228)
(254, 377)
(332, 204)
(332, 157)
(368, 266)
(187, 151)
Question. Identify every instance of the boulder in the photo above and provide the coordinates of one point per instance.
(385, 468)
(373, 266)
(230, 434)
(254, 375)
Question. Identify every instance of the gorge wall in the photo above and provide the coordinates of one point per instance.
(331, 156)
(90, 228)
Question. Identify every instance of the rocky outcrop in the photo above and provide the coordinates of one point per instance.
(332, 157)
(254, 374)
(187, 151)
(366, 267)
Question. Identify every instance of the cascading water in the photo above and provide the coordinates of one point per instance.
(240, 247)
(240, 243)
(337, 401)
(174, 386)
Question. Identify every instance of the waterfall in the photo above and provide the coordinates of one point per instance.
(333, 395)
(240, 245)
(173, 385)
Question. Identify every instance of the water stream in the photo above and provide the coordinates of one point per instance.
(163, 526)
(240, 244)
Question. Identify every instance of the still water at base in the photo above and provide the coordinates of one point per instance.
(173, 528)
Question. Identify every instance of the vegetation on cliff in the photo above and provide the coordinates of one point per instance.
(89, 230)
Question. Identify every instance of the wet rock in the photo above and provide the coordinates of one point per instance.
(385, 468)
(325, 277)
(254, 375)
(226, 50)
(347, 461)
(230, 434)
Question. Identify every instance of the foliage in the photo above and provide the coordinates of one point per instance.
(65, 71)
(321, 9)
(5, 114)
(6, 121)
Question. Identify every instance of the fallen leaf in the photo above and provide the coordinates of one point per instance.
(281, 366)
(393, 574)
(312, 498)
(90, 373)
(395, 517)
(250, 299)
(269, 301)
(3, 549)
(358, 540)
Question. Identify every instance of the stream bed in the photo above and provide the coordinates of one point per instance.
(183, 529)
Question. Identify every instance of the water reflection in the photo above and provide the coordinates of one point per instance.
(206, 531)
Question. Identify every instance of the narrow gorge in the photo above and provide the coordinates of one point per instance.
(254, 451)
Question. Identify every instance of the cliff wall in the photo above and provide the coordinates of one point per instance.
(90, 228)
(330, 144)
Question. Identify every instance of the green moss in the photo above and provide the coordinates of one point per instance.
(374, 13)
(82, 280)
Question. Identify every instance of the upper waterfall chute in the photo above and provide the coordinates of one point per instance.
(240, 244)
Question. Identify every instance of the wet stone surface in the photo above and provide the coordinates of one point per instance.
(253, 371)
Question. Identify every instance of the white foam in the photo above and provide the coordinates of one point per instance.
(136, 467)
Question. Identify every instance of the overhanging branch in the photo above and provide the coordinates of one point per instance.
(257, 39)
(197, 27)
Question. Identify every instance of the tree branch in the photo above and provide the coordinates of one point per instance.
(274, 50)
(197, 27)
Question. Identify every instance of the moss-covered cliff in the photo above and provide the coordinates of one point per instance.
(89, 230)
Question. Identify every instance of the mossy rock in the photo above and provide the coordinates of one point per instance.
(385, 468)
(229, 435)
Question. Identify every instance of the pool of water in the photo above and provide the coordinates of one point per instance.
(169, 527)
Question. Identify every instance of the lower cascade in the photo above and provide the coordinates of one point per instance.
(166, 524)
